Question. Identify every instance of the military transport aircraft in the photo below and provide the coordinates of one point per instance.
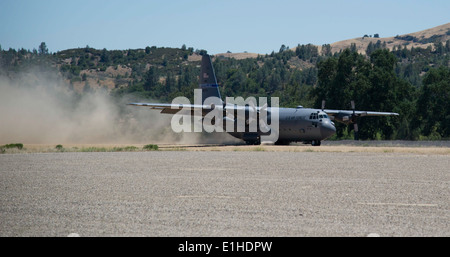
(251, 123)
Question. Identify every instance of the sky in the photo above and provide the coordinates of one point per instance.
(218, 26)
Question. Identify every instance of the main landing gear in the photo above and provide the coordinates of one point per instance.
(253, 142)
(315, 143)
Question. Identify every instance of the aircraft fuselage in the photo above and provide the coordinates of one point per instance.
(296, 125)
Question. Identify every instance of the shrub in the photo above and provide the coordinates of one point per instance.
(9, 146)
(124, 149)
(150, 147)
(130, 148)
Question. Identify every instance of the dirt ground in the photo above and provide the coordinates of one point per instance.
(226, 191)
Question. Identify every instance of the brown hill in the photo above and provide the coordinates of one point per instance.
(237, 56)
(421, 39)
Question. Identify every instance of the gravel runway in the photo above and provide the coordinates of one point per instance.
(232, 193)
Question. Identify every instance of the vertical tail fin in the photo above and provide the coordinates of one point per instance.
(208, 81)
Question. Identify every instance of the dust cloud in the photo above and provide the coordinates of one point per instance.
(39, 108)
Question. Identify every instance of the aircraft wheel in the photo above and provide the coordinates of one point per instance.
(280, 142)
(315, 143)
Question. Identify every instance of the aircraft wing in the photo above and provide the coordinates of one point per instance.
(348, 116)
(188, 109)
(194, 109)
(358, 113)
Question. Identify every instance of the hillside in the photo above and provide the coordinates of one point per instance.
(406, 74)
(86, 69)
(421, 39)
(119, 76)
(115, 69)
(237, 56)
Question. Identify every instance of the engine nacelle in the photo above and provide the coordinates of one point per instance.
(344, 118)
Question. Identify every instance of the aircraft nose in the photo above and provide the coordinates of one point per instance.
(327, 130)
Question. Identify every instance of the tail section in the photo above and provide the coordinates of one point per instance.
(208, 81)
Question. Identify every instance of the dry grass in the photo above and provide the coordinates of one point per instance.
(362, 43)
(237, 56)
(47, 148)
(337, 149)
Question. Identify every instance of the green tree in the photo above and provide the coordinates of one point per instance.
(43, 50)
(433, 110)
(104, 57)
(387, 92)
(151, 78)
(326, 50)
(170, 82)
(373, 85)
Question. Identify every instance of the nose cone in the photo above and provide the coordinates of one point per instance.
(327, 130)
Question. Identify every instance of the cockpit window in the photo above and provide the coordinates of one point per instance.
(313, 116)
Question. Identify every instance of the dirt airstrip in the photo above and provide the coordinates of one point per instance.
(226, 190)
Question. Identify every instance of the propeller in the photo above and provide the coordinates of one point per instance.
(323, 109)
(262, 123)
(252, 111)
(354, 121)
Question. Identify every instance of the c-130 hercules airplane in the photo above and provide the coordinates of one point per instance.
(250, 123)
